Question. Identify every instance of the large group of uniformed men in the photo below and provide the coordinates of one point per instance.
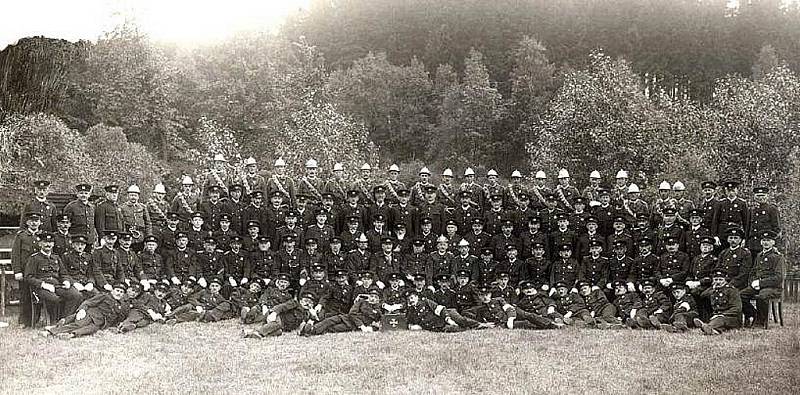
(323, 256)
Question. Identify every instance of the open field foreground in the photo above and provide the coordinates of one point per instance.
(212, 358)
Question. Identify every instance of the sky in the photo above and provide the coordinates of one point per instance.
(182, 22)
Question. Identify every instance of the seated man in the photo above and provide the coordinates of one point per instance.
(684, 310)
(603, 312)
(287, 316)
(534, 301)
(393, 296)
(424, 314)
(145, 308)
(570, 305)
(726, 306)
(271, 297)
(496, 311)
(46, 277)
(365, 315)
(99, 312)
(628, 303)
(245, 300)
(656, 308)
(206, 305)
(765, 281)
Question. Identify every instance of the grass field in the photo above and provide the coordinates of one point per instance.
(209, 358)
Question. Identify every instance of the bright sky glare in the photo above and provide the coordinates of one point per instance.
(183, 22)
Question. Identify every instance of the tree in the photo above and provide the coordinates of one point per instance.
(393, 101)
(600, 119)
(469, 116)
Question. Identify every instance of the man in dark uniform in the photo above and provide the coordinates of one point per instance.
(404, 213)
(645, 266)
(99, 312)
(41, 205)
(495, 215)
(565, 268)
(47, 278)
(465, 213)
(280, 182)
(393, 185)
(341, 295)
(695, 232)
(152, 263)
(764, 217)
(709, 204)
(464, 261)
(181, 264)
(726, 304)
(105, 263)
(765, 280)
(310, 185)
(108, 214)
(78, 266)
(475, 189)
(669, 229)
(594, 268)
(233, 206)
(605, 213)
(431, 208)
(81, 213)
(352, 208)
(673, 266)
(732, 212)
(736, 260)
(537, 267)
(699, 277)
(590, 235)
(61, 235)
(532, 235)
(212, 207)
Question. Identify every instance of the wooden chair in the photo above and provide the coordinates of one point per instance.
(775, 305)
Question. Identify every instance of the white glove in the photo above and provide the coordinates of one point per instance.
(199, 309)
(158, 317)
(80, 315)
(510, 323)
(49, 287)
(145, 285)
(569, 314)
(78, 286)
(152, 314)
(176, 281)
(756, 284)
(89, 287)
(108, 287)
(659, 311)
(318, 308)
(243, 281)
(431, 288)
(272, 317)
(573, 290)
(595, 288)
(592, 314)
(410, 277)
(545, 287)
(18, 276)
(608, 285)
(359, 282)
(552, 291)
(633, 313)
(387, 307)
(664, 282)
(693, 284)
(450, 321)
(380, 284)
(402, 283)
(716, 241)
(414, 328)
(365, 328)
(264, 310)
(686, 306)
(231, 281)
(517, 291)
(267, 281)
(202, 282)
(551, 310)
(631, 288)
(302, 282)
(66, 284)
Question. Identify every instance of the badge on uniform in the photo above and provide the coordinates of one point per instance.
(393, 322)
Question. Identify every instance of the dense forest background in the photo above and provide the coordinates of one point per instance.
(665, 89)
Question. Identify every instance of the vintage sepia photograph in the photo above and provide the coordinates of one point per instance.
(400, 196)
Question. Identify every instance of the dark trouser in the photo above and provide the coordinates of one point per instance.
(83, 327)
(274, 328)
(25, 312)
(607, 313)
(252, 315)
(762, 296)
(583, 315)
(136, 319)
(337, 323)
(683, 318)
(703, 304)
(645, 324)
(527, 320)
(722, 323)
(70, 298)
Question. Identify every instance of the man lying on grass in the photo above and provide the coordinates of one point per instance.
(102, 311)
